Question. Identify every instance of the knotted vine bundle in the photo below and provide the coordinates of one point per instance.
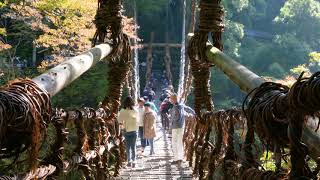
(269, 124)
(276, 113)
(25, 111)
(109, 25)
(218, 155)
(211, 15)
(91, 153)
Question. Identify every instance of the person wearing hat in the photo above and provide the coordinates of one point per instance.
(140, 123)
(149, 121)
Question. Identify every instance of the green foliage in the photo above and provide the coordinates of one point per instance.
(268, 162)
(314, 62)
(299, 11)
(232, 37)
(276, 70)
(240, 4)
(288, 42)
(3, 32)
(2, 5)
(88, 90)
(64, 14)
(314, 57)
(301, 18)
(67, 8)
(299, 69)
(149, 7)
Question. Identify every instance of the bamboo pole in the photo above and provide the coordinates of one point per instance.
(63, 74)
(239, 74)
(247, 81)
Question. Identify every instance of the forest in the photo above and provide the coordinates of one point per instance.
(276, 39)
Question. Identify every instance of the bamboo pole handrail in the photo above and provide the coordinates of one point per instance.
(247, 81)
(55, 79)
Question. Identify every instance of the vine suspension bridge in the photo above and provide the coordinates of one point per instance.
(274, 113)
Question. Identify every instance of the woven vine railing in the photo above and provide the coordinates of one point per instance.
(274, 112)
(26, 113)
(226, 152)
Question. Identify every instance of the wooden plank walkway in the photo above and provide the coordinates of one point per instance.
(157, 166)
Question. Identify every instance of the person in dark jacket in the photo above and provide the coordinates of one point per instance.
(164, 110)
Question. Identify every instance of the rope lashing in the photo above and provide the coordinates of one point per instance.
(108, 21)
(212, 156)
(200, 69)
(25, 111)
(109, 25)
(304, 94)
(270, 125)
(276, 113)
(41, 172)
(303, 99)
(211, 16)
(57, 148)
(92, 149)
(211, 20)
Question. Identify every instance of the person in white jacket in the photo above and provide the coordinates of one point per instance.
(141, 108)
(128, 117)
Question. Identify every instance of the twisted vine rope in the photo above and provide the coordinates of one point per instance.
(188, 76)
(272, 111)
(91, 154)
(200, 68)
(25, 111)
(57, 148)
(221, 153)
(270, 124)
(276, 113)
(109, 25)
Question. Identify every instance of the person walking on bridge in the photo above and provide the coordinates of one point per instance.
(178, 121)
(140, 123)
(149, 130)
(127, 118)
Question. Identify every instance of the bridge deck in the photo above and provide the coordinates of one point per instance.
(157, 166)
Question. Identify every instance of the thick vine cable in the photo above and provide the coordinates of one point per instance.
(109, 25)
(25, 111)
(211, 15)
